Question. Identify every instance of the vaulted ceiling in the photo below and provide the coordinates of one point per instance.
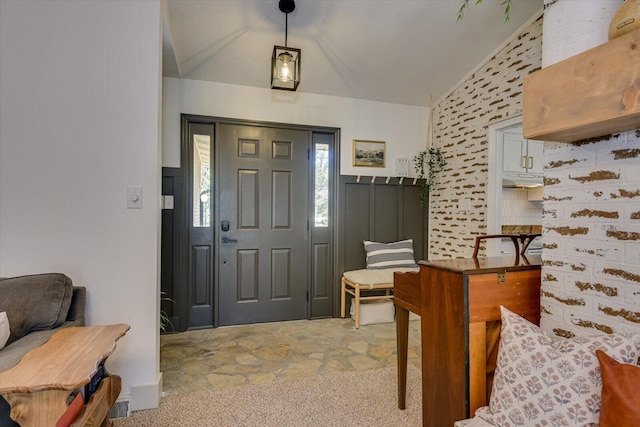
(397, 51)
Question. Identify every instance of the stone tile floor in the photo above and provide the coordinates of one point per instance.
(280, 351)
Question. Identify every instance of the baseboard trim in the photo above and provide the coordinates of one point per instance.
(146, 396)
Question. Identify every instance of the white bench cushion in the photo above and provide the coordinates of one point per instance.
(376, 277)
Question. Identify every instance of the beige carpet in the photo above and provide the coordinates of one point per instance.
(363, 398)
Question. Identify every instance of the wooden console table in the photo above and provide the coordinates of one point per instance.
(38, 387)
(459, 303)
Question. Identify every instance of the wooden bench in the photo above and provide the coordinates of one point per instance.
(356, 282)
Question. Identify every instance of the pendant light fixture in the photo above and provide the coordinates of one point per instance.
(285, 61)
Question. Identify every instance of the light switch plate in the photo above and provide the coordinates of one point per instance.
(134, 198)
(167, 202)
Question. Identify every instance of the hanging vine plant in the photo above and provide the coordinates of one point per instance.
(427, 165)
(464, 4)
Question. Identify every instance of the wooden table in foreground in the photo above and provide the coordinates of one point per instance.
(459, 303)
(37, 388)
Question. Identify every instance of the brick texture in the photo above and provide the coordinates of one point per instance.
(494, 92)
(591, 208)
(592, 240)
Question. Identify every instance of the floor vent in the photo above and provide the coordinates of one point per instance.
(119, 410)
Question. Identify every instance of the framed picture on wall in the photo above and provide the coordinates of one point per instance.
(368, 153)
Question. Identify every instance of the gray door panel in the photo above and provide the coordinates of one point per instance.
(322, 222)
(264, 193)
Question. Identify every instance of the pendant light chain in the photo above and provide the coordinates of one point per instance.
(286, 28)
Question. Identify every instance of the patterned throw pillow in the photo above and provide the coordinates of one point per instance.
(389, 255)
(543, 380)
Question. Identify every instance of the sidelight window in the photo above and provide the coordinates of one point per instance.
(321, 156)
(201, 181)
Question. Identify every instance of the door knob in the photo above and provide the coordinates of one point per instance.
(225, 225)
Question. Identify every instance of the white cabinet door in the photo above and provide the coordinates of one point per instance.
(513, 153)
(535, 158)
(521, 155)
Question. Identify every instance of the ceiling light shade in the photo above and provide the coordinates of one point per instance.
(285, 61)
(285, 68)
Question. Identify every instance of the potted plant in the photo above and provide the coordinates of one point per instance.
(164, 316)
(427, 165)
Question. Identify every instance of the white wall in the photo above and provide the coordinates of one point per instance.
(79, 123)
(403, 127)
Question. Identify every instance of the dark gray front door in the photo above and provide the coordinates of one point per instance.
(263, 229)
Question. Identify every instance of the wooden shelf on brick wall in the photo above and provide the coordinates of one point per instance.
(592, 94)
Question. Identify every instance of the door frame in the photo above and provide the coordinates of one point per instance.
(494, 187)
(215, 121)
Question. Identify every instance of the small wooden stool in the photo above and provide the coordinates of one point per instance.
(357, 281)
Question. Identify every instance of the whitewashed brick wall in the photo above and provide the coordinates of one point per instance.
(493, 93)
(591, 236)
(591, 219)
